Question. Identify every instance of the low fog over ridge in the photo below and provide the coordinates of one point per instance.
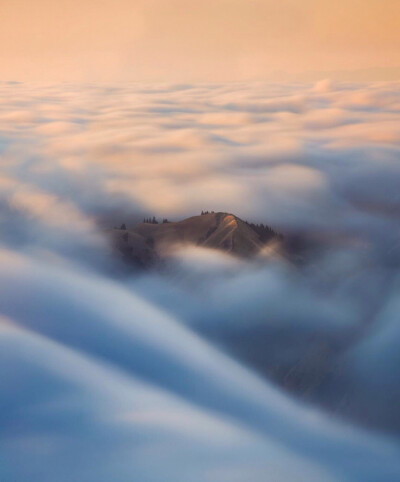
(193, 358)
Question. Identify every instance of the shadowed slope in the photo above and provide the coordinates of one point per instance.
(222, 231)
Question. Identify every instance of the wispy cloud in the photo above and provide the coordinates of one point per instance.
(128, 365)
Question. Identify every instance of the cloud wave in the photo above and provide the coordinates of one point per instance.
(177, 374)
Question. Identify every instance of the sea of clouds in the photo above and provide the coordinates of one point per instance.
(214, 369)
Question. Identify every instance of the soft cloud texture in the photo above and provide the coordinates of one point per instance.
(171, 372)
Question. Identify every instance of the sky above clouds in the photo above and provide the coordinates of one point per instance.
(181, 40)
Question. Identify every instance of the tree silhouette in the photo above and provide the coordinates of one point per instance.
(265, 233)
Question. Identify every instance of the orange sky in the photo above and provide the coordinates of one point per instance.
(188, 40)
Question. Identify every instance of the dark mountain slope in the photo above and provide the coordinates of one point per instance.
(147, 241)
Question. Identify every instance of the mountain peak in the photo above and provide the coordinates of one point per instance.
(151, 240)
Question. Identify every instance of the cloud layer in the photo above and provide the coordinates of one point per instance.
(176, 373)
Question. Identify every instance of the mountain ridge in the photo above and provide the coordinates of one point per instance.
(150, 241)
